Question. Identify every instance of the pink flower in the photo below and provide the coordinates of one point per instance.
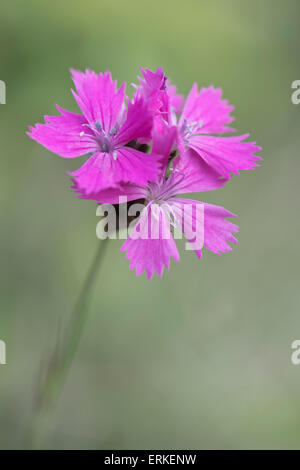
(150, 246)
(186, 157)
(103, 131)
(204, 113)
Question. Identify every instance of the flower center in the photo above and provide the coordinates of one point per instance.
(154, 193)
(104, 140)
(164, 189)
(189, 129)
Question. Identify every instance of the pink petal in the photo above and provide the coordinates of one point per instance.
(163, 138)
(191, 174)
(62, 134)
(98, 97)
(112, 195)
(217, 230)
(138, 123)
(153, 89)
(152, 81)
(148, 253)
(125, 165)
(207, 106)
(132, 166)
(95, 174)
(226, 155)
(176, 101)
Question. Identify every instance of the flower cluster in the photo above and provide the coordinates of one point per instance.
(152, 148)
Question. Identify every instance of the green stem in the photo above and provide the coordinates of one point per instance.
(61, 359)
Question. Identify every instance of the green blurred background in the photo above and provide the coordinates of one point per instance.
(199, 358)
